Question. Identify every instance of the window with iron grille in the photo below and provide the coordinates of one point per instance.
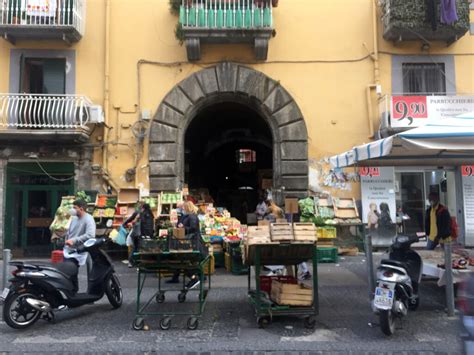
(424, 79)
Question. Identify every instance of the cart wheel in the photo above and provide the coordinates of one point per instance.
(263, 322)
(310, 322)
(165, 323)
(160, 298)
(193, 323)
(182, 297)
(138, 324)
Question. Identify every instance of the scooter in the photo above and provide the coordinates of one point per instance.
(398, 279)
(36, 291)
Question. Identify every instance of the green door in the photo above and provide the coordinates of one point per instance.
(33, 193)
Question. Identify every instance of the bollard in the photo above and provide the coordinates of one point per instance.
(6, 260)
(370, 264)
(448, 266)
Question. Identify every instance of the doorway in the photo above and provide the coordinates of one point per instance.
(32, 197)
(228, 147)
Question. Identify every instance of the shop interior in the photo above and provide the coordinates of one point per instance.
(412, 190)
(228, 150)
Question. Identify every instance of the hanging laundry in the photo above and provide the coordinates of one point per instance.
(430, 7)
(448, 12)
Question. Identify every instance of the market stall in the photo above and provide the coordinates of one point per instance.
(274, 296)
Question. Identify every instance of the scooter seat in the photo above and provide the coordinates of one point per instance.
(394, 263)
(67, 268)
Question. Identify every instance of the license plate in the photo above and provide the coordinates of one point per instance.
(384, 296)
(5, 293)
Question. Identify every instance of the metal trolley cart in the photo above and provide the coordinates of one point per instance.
(281, 254)
(155, 265)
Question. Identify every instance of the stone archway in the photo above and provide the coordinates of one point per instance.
(230, 82)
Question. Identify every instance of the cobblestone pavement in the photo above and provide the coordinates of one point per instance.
(345, 324)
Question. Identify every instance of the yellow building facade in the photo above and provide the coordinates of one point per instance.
(318, 88)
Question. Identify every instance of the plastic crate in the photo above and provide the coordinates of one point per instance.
(319, 232)
(327, 255)
(266, 281)
(239, 268)
(329, 233)
(57, 256)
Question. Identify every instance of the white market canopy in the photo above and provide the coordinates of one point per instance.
(448, 141)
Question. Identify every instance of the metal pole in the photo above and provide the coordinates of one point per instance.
(449, 278)
(6, 260)
(370, 264)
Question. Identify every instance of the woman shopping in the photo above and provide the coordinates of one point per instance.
(143, 227)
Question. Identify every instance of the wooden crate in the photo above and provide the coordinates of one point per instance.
(345, 208)
(304, 231)
(258, 232)
(281, 231)
(291, 295)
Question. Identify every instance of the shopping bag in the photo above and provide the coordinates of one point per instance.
(129, 240)
(122, 236)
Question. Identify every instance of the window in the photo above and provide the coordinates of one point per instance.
(43, 76)
(246, 156)
(424, 78)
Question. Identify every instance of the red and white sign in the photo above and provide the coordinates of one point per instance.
(366, 171)
(415, 111)
(467, 170)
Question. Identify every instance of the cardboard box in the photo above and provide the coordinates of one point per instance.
(263, 222)
(179, 233)
(291, 205)
(128, 195)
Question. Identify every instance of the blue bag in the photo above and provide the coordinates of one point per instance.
(122, 236)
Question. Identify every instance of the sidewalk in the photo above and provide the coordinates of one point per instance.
(345, 322)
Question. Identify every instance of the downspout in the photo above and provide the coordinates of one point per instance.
(106, 104)
(375, 59)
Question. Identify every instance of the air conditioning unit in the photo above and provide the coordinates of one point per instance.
(96, 114)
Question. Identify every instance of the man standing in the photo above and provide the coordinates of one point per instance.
(437, 222)
(81, 229)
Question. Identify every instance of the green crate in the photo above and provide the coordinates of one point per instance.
(327, 255)
(219, 259)
(238, 268)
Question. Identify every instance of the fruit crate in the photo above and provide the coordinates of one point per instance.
(266, 281)
(327, 255)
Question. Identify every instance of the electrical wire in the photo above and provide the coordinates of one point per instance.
(50, 176)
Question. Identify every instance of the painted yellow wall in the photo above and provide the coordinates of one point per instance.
(335, 35)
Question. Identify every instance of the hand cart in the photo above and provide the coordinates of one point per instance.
(155, 264)
(281, 254)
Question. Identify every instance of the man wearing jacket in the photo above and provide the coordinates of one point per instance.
(81, 229)
(437, 222)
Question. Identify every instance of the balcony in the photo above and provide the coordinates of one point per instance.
(42, 20)
(405, 20)
(225, 21)
(53, 118)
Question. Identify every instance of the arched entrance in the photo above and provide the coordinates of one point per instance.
(229, 87)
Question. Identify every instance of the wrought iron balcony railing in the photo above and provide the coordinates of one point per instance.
(40, 111)
(42, 19)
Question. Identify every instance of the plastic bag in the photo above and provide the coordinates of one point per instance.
(129, 240)
(122, 236)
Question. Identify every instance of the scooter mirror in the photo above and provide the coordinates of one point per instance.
(109, 223)
(89, 242)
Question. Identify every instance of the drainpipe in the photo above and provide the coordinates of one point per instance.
(375, 59)
(106, 85)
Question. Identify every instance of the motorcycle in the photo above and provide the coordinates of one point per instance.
(37, 291)
(398, 279)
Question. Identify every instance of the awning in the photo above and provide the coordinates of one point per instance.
(449, 141)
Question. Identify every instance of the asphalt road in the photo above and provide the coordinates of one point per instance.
(345, 323)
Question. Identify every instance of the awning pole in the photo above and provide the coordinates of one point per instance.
(449, 278)
(370, 264)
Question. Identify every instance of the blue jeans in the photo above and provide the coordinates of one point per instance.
(431, 245)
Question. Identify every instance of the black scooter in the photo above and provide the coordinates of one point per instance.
(36, 291)
(398, 279)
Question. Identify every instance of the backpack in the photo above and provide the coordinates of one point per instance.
(454, 228)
